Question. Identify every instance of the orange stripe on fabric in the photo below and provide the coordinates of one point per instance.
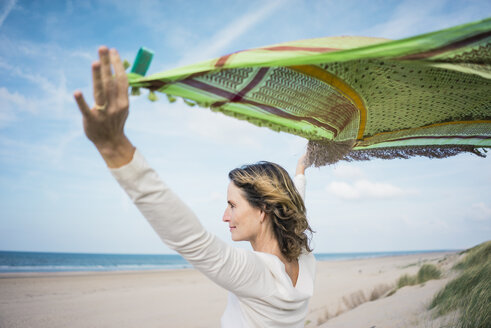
(341, 86)
(222, 60)
(428, 126)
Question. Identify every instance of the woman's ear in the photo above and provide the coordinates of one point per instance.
(262, 216)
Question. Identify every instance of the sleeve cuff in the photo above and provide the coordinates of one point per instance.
(130, 170)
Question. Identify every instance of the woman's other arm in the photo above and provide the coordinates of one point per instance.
(299, 179)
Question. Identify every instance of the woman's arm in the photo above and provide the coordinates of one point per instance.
(299, 179)
(235, 269)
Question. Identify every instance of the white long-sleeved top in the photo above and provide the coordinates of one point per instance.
(261, 292)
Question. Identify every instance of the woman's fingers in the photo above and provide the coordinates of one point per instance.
(106, 75)
(302, 158)
(99, 97)
(82, 105)
(110, 92)
(104, 123)
(121, 79)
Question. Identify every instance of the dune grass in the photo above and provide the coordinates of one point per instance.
(476, 256)
(425, 273)
(470, 293)
(406, 280)
(379, 291)
(428, 272)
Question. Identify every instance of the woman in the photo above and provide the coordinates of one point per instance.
(269, 287)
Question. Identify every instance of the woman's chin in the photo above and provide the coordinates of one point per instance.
(235, 237)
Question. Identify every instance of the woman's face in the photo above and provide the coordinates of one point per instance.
(244, 220)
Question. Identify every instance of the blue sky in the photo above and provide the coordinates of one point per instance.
(57, 195)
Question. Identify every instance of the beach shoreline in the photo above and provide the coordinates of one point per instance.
(161, 298)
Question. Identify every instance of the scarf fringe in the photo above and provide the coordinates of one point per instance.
(320, 153)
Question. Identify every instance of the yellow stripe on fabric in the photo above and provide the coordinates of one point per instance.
(341, 86)
(426, 127)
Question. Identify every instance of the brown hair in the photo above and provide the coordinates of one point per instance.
(268, 186)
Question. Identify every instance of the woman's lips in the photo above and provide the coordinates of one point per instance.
(232, 228)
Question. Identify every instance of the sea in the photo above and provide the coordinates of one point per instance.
(14, 261)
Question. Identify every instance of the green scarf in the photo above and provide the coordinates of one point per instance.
(353, 98)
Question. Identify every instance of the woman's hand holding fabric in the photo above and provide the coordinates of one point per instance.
(104, 122)
(301, 165)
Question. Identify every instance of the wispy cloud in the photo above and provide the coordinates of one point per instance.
(55, 95)
(365, 189)
(7, 8)
(37, 79)
(217, 44)
(12, 103)
(37, 50)
(413, 17)
(406, 19)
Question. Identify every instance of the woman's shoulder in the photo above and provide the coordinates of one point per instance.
(305, 257)
(306, 262)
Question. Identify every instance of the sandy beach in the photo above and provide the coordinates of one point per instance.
(185, 298)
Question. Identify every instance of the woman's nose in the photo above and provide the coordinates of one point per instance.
(226, 215)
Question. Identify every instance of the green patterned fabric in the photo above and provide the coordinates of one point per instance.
(353, 98)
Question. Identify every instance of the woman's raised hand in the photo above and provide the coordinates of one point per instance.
(104, 122)
(301, 165)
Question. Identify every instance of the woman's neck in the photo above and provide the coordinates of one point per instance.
(266, 242)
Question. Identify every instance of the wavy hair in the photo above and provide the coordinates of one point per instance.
(267, 186)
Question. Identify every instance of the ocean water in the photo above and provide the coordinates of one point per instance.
(55, 262)
(366, 255)
(11, 261)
